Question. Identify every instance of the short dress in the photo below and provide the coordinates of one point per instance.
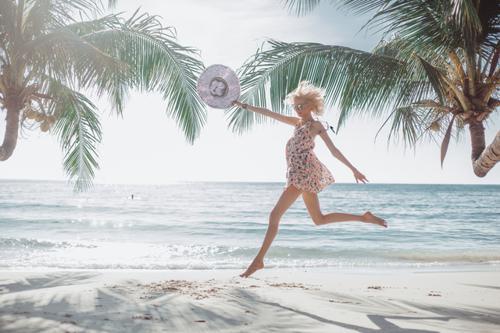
(304, 170)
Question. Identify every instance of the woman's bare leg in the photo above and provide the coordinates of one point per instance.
(312, 204)
(287, 198)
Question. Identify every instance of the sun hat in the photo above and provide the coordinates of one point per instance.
(218, 86)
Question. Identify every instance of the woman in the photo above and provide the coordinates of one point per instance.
(306, 175)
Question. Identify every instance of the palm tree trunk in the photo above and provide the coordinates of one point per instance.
(11, 133)
(483, 160)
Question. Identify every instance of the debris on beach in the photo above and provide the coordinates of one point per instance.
(196, 289)
(375, 287)
(434, 293)
(146, 316)
(331, 300)
(289, 285)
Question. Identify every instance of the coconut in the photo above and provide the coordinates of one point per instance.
(51, 119)
(39, 117)
(435, 126)
(44, 127)
(30, 114)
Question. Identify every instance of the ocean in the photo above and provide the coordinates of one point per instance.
(221, 225)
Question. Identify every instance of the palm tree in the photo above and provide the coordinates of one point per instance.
(55, 53)
(434, 72)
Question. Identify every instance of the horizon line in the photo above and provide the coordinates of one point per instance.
(230, 181)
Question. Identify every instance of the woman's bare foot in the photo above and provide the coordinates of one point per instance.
(254, 266)
(368, 217)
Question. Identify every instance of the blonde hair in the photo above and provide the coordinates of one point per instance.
(310, 92)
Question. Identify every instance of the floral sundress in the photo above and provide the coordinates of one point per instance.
(304, 170)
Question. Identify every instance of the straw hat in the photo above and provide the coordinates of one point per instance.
(218, 86)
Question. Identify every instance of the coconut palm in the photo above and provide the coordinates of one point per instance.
(56, 54)
(434, 73)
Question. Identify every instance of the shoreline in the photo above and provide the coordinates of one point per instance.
(424, 268)
(277, 299)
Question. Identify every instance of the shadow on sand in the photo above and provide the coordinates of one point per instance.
(235, 309)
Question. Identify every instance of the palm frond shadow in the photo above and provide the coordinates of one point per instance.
(110, 308)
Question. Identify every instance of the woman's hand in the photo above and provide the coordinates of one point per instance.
(241, 105)
(359, 176)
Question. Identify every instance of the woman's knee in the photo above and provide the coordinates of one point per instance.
(318, 219)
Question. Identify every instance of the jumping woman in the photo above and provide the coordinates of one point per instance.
(306, 175)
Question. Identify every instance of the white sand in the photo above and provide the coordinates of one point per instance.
(273, 300)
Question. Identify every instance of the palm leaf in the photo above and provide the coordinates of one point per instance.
(63, 47)
(302, 7)
(436, 78)
(156, 62)
(358, 81)
(79, 132)
(406, 125)
(466, 16)
(7, 18)
(439, 25)
(446, 140)
(489, 15)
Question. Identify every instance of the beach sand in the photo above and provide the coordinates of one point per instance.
(273, 300)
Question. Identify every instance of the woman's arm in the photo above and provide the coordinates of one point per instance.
(284, 119)
(322, 132)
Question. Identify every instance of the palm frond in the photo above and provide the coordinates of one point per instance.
(442, 85)
(438, 25)
(79, 132)
(300, 7)
(406, 124)
(82, 28)
(465, 15)
(65, 43)
(446, 140)
(38, 18)
(489, 15)
(156, 62)
(358, 81)
(42, 15)
(67, 57)
(424, 24)
(7, 22)
(69, 10)
(427, 69)
(436, 78)
(112, 3)
(111, 56)
(65, 47)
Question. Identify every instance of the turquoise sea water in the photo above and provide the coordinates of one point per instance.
(221, 225)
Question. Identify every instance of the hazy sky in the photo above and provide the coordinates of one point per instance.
(147, 147)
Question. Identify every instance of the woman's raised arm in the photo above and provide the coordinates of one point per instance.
(284, 119)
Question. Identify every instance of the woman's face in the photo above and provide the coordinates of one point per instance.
(302, 107)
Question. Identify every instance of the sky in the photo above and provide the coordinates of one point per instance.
(146, 147)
